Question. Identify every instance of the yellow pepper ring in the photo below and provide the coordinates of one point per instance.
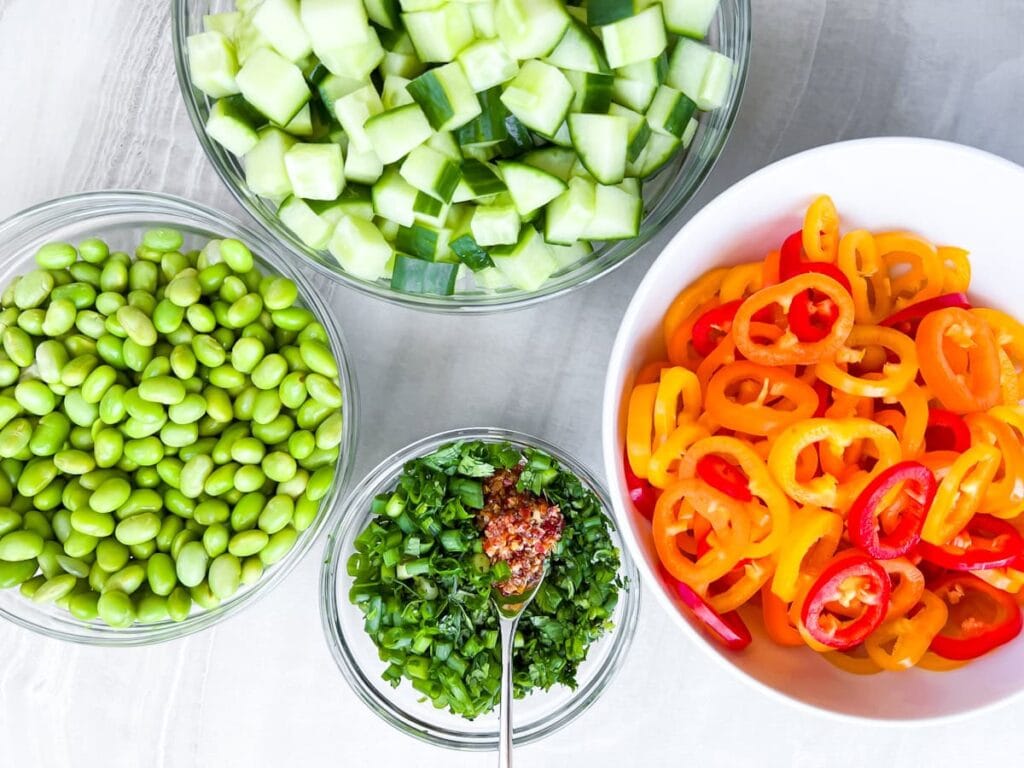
(910, 637)
(662, 465)
(858, 260)
(821, 230)
(755, 574)
(914, 401)
(755, 417)
(677, 383)
(957, 269)
(741, 281)
(960, 493)
(640, 428)
(824, 491)
(895, 376)
(925, 277)
(811, 530)
(693, 296)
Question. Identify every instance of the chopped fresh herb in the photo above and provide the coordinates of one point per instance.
(423, 582)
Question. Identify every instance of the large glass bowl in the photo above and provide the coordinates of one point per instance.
(538, 715)
(664, 195)
(120, 218)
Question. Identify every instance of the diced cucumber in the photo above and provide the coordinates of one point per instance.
(579, 50)
(701, 73)
(383, 12)
(278, 21)
(424, 242)
(601, 141)
(273, 85)
(635, 84)
(328, 211)
(561, 137)
(491, 280)
(689, 132)
(296, 214)
(354, 110)
(530, 29)
(265, 172)
(691, 18)
(639, 131)
(410, 6)
(440, 34)
(247, 38)
(360, 248)
(333, 87)
(431, 172)
(444, 142)
(617, 213)
(570, 255)
(518, 140)
(487, 63)
(557, 161)
(478, 181)
(396, 132)
(225, 23)
(470, 253)
(529, 186)
(309, 122)
(360, 60)
(637, 38)
(490, 126)
(593, 91)
(496, 224)
(337, 29)
(213, 64)
(232, 123)
(660, 149)
(670, 111)
(406, 65)
(528, 263)
(445, 96)
(394, 197)
(429, 210)
(569, 214)
(395, 93)
(316, 171)
(539, 96)
(601, 12)
(354, 201)
(362, 167)
(412, 275)
(482, 14)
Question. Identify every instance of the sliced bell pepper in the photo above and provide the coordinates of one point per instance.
(678, 397)
(981, 617)
(728, 630)
(791, 262)
(640, 428)
(662, 467)
(1004, 497)
(925, 275)
(1009, 335)
(913, 401)
(775, 613)
(869, 284)
(960, 493)
(762, 415)
(812, 541)
(788, 349)
(910, 478)
(905, 591)
(895, 376)
(986, 542)
(641, 493)
(714, 325)
(900, 643)
(946, 431)
(651, 373)
(851, 580)
(690, 299)
(821, 230)
(957, 274)
(726, 477)
(963, 389)
(908, 318)
(753, 575)
(741, 281)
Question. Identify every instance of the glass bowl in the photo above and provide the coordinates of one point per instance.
(664, 194)
(120, 218)
(538, 715)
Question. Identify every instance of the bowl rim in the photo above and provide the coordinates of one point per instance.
(145, 207)
(355, 511)
(478, 304)
(610, 414)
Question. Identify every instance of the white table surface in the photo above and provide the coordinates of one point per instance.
(91, 102)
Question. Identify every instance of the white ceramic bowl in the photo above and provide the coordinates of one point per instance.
(949, 193)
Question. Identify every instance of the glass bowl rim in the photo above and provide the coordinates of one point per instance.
(663, 210)
(349, 515)
(37, 221)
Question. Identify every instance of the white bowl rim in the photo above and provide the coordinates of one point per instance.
(610, 409)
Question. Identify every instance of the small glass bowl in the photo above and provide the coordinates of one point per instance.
(120, 218)
(664, 194)
(538, 715)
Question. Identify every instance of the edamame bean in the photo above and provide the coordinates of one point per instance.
(191, 564)
(269, 372)
(20, 545)
(161, 574)
(32, 289)
(236, 255)
(179, 604)
(279, 293)
(278, 545)
(73, 565)
(225, 575)
(278, 466)
(252, 571)
(110, 495)
(305, 513)
(14, 573)
(151, 609)
(126, 580)
(246, 543)
(276, 514)
(138, 528)
(249, 477)
(116, 609)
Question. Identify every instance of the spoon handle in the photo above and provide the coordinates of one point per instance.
(508, 632)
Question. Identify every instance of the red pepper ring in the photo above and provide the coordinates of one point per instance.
(908, 318)
(946, 431)
(725, 477)
(850, 579)
(811, 316)
(712, 326)
(862, 520)
(791, 262)
(824, 393)
(643, 495)
(986, 542)
(726, 629)
(966, 635)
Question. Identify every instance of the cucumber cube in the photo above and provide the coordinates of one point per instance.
(362, 167)
(539, 96)
(670, 111)
(278, 21)
(232, 123)
(445, 96)
(691, 18)
(357, 61)
(570, 255)
(601, 142)
(495, 224)
(384, 12)
(213, 64)
(353, 110)
(296, 214)
(487, 63)
(701, 73)
(316, 171)
(394, 198)
(530, 29)
(440, 34)
(579, 50)
(360, 248)
(431, 172)
(601, 12)
(617, 214)
(273, 85)
(635, 39)
(265, 172)
(569, 214)
(528, 263)
(394, 92)
(225, 23)
(334, 27)
(482, 14)
(396, 132)
(413, 275)
(530, 187)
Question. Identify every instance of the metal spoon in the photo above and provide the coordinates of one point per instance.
(510, 608)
